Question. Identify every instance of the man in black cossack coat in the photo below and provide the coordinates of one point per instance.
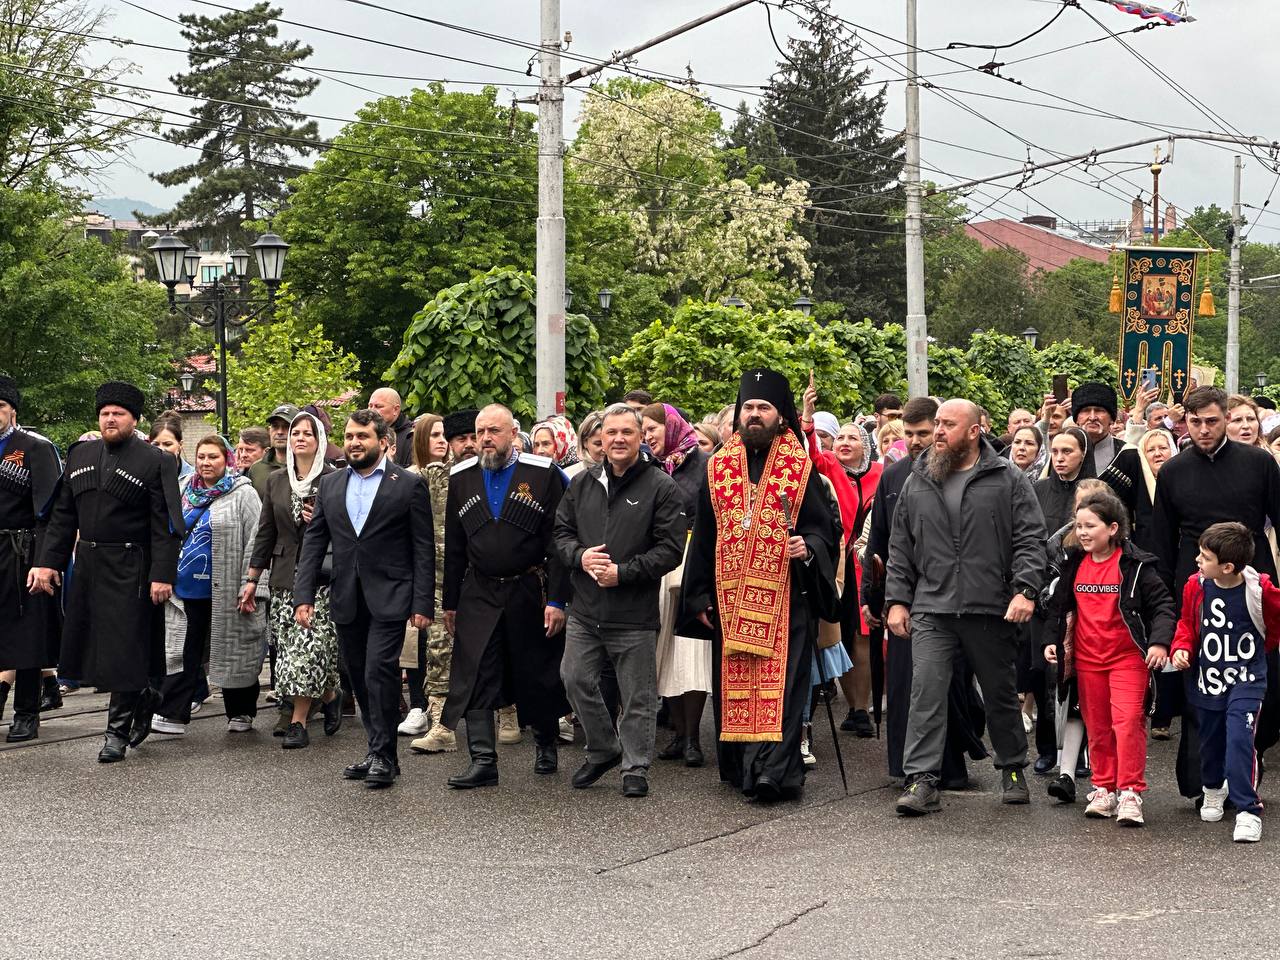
(29, 471)
(119, 494)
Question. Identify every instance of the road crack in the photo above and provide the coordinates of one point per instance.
(772, 931)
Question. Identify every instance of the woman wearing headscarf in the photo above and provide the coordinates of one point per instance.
(307, 667)
(555, 438)
(684, 660)
(333, 453)
(1028, 451)
(1132, 476)
(205, 619)
(852, 449)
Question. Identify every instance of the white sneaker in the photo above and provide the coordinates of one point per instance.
(508, 726)
(809, 759)
(1248, 828)
(1211, 809)
(160, 725)
(415, 724)
(1102, 804)
(195, 706)
(566, 730)
(239, 724)
(1129, 809)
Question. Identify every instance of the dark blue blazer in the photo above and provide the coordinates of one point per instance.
(393, 560)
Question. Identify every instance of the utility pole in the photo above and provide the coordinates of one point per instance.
(549, 340)
(549, 347)
(917, 323)
(1233, 290)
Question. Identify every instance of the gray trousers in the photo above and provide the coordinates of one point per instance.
(991, 646)
(634, 656)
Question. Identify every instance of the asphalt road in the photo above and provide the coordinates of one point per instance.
(223, 845)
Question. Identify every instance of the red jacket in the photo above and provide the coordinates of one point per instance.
(847, 497)
(1262, 596)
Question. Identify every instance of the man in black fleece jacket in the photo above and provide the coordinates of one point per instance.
(620, 528)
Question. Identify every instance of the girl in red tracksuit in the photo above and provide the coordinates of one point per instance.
(1111, 628)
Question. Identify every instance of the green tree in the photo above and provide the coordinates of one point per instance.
(830, 126)
(1071, 303)
(430, 190)
(50, 135)
(1011, 364)
(1079, 363)
(286, 359)
(472, 344)
(72, 316)
(988, 292)
(243, 150)
(950, 376)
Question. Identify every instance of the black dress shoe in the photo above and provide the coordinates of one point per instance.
(862, 726)
(546, 759)
(590, 772)
(144, 712)
(50, 695)
(332, 715)
(477, 775)
(848, 724)
(767, 791)
(25, 726)
(1062, 788)
(693, 754)
(635, 786)
(1044, 763)
(358, 771)
(112, 749)
(296, 737)
(382, 774)
(673, 750)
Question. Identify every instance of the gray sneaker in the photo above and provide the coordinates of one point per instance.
(920, 798)
(1013, 787)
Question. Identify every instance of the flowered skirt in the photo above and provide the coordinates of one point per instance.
(307, 660)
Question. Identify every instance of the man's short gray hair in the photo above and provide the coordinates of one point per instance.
(618, 409)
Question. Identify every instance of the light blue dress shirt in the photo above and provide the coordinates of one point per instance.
(360, 494)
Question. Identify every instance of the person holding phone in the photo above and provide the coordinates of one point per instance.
(307, 665)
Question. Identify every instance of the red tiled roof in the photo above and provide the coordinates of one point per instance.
(1044, 249)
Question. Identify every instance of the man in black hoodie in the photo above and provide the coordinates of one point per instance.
(620, 528)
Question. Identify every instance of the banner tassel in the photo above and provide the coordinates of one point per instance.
(1206, 301)
(1117, 298)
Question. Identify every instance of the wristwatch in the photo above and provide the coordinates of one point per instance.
(1029, 593)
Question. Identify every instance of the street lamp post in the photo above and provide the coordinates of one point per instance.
(226, 301)
(1030, 335)
(1261, 381)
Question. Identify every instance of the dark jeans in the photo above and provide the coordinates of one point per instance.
(372, 651)
(990, 645)
(179, 689)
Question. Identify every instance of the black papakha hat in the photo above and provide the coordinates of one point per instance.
(116, 393)
(1093, 394)
(460, 422)
(9, 392)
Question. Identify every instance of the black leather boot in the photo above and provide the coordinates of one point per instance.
(50, 695)
(546, 757)
(148, 703)
(119, 722)
(482, 742)
(25, 726)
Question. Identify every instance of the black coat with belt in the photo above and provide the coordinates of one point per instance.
(122, 499)
(32, 624)
(501, 572)
(392, 561)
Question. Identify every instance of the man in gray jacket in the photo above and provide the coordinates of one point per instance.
(620, 528)
(966, 561)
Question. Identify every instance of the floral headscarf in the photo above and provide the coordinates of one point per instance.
(564, 441)
(197, 494)
(680, 439)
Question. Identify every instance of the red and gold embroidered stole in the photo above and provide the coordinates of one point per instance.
(753, 582)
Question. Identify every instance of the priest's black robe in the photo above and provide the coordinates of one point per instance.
(122, 500)
(743, 764)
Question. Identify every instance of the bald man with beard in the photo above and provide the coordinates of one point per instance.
(966, 562)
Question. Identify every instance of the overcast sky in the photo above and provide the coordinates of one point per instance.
(1225, 60)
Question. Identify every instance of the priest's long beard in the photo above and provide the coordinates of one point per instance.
(940, 466)
(758, 437)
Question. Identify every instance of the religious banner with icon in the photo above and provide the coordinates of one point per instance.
(1157, 305)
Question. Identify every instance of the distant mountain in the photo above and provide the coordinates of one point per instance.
(121, 208)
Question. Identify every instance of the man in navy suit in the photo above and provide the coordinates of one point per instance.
(377, 516)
